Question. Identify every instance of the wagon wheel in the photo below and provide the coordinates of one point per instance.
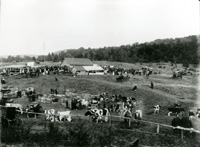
(5, 122)
(19, 122)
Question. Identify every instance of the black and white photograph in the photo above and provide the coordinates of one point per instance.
(99, 73)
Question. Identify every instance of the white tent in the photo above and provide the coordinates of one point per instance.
(94, 70)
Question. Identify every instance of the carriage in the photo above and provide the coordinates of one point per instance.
(10, 117)
(122, 78)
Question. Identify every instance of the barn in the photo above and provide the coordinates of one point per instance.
(83, 66)
(76, 62)
(79, 70)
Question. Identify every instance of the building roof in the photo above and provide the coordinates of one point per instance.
(79, 68)
(76, 62)
(93, 68)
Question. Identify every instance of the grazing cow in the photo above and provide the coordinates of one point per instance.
(64, 115)
(138, 115)
(18, 106)
(50, 114)
(156, 109)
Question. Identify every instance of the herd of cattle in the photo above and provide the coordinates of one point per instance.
(99, 108)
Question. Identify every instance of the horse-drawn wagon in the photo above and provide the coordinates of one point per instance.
(10, 117)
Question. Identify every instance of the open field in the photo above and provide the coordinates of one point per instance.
(165, 93)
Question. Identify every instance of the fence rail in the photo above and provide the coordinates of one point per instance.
(158, 125)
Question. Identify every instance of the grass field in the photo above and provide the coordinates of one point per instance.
(166, 92)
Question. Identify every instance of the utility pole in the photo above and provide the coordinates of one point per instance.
(44, 51)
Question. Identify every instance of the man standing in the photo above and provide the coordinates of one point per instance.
(176, 122)
(152, 85)
(135, 87)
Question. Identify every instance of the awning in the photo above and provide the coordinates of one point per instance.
(93, 68)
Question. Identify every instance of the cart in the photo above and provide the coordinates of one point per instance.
(9, 117)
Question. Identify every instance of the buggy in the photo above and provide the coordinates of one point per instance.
(9, 117)
(122, 78)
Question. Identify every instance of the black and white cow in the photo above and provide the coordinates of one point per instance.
(98, 114)
(198, 113)
(156, 109)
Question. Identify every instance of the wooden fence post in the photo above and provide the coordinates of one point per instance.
(182, 134)
(158, 129)
(45, 125)
(129, 122)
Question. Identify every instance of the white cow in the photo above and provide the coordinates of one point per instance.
(138, 115)
(18, 106)
(64, 114)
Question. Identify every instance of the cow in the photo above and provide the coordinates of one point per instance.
(198, 113)
(127, 115)
(98, 114)
(191, 114)
(156, 109)
(138, 115)
(17, 106)
(64, 115)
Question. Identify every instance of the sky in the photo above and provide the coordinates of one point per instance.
(43, 26)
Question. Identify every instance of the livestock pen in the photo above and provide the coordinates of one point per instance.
(40, 125)
(115, 120)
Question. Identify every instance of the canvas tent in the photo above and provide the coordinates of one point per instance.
(94, 70)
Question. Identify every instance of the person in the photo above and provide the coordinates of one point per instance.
(135, 87)
(176, 122)
(152, 85)
(3, 81)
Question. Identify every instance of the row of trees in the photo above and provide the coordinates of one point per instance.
(179, 50)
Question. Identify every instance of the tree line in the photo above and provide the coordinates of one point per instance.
(179, 50)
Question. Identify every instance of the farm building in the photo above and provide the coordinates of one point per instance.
(94, 70)
(79, 70)
(76, 62)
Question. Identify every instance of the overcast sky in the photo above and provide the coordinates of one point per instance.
(66, 24)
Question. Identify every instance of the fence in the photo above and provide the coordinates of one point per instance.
(113, 118)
